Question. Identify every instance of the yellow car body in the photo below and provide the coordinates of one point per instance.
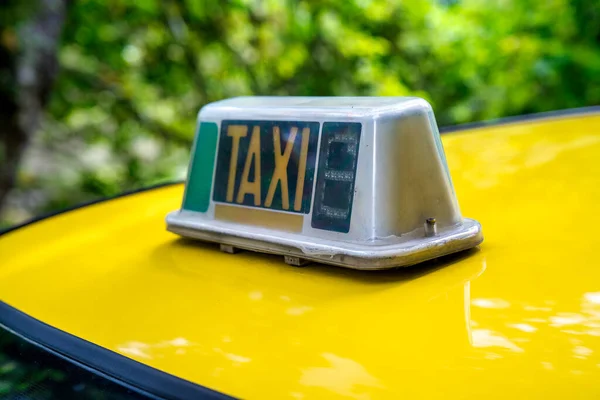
(517, 317)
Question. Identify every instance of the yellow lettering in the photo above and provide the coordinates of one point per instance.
(301, 170)
(235, 132)
(280, 173)
(247, 187)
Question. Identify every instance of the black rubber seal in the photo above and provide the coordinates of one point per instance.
(571, 112)
(120, 369)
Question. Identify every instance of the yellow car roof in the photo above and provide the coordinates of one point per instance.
(520, 316)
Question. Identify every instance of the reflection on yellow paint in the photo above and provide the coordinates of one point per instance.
(524, 327)
(488, 338)
(298, 310)
(343, 376)
(148, 351)
(490, 303)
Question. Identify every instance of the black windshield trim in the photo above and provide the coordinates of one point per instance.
(120, 369)
(570, 112)
(45, 350)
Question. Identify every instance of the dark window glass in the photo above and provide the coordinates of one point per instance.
(29, 372)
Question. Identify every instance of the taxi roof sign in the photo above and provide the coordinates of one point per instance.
(359, 182)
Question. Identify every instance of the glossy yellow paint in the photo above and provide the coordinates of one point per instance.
(520, 317)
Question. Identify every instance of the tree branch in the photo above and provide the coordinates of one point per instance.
(33, 65)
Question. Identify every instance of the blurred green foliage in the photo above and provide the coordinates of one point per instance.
(135, 73)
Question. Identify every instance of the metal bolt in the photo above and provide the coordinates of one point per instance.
(430, 227)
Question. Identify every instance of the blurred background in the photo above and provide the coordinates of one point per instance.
(100, 96)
